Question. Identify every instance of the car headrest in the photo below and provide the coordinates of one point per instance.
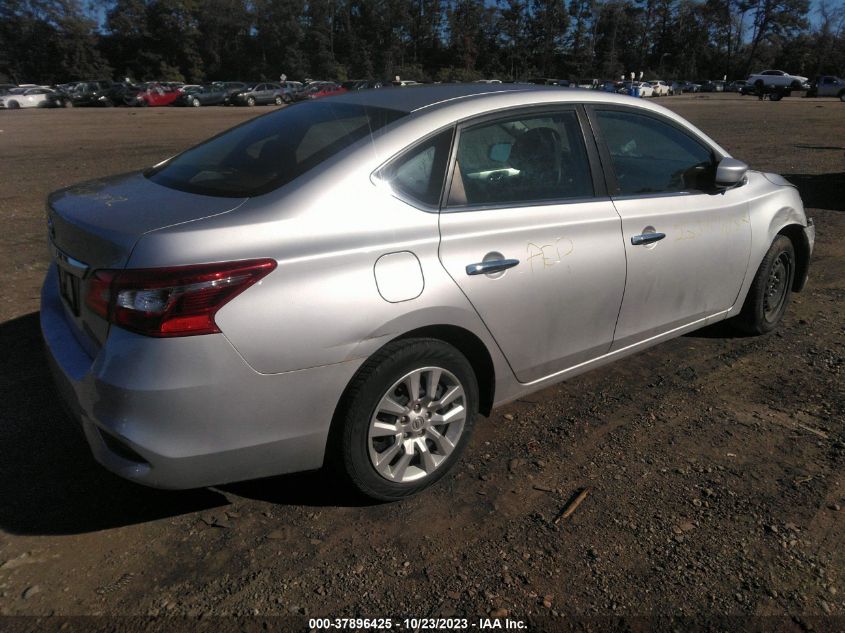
(535, 148)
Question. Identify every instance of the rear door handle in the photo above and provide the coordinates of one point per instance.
(647, 238)
(491, 266)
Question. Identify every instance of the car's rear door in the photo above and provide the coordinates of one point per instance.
(687, 244)
(532, 239)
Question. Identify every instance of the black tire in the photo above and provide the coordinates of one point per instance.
(250, 101)
(278, 100)
(842, 95)
(67, 103)
(195, 102)
(13, 105)
(776, 96)
(351, 446)
(771, 289)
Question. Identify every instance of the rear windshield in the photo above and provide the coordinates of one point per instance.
(270, 151)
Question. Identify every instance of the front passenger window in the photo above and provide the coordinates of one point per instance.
(650, 156)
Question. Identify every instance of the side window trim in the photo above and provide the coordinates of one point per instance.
(600, 186)
(607, 162)
(377, 175)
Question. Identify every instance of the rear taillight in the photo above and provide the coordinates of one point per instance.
(180, 301)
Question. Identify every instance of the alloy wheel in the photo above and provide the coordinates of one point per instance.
(417, 424)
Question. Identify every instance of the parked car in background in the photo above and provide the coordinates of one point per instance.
(404, 83)
(156, 95)
(736, 85)
(5, 88)
(328, 89)
(660, 88)
(319, 89)
(777, 79)
(260, 94)
(344, 282)
(827, 86)
(589, 84)
(26, 98)
(610, 85)
(690, 86)
(58, 98)
(216, 93)
(548, 81)
(369, 84)
(637, 88)
(98, 92)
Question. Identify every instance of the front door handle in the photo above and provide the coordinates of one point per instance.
(647, 238)
(491, 266)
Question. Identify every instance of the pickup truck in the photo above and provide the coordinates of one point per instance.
(828, 86)
(776, 83)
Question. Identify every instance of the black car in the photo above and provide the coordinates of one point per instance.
(58, 98)
(217, 93)
(96, 92)
(261, 94)
(362, 84)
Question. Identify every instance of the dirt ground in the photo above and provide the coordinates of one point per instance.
(715, 462)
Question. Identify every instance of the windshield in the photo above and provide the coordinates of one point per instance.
(265, 153)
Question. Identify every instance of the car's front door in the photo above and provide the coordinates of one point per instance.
(532, 239)
(687, 244)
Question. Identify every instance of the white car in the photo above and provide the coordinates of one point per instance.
(661, 88)
(777, 79)
(25, 98)
(646, 89)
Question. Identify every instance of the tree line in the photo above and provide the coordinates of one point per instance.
(51, 41)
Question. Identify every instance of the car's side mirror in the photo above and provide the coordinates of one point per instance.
(730, 172)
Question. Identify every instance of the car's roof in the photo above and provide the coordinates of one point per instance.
(412, 98)
(432, 107)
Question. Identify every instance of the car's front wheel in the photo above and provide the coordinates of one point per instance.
(406, 418)
(771, 289)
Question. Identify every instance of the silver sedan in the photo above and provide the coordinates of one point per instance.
(348, 282)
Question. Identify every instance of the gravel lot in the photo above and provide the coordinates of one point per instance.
(715, 462)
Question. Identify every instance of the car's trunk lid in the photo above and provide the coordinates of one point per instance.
(96, 225)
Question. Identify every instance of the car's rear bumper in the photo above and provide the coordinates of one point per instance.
(188, 412)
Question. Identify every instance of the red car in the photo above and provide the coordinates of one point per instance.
(326, 89)
(157, 96)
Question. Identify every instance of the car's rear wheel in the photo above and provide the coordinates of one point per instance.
(195, 102)
(13, 105)
(278, 100)
(771, 289)
(405, 419)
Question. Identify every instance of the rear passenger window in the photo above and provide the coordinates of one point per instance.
(522, 160)
(418, 174)
(651, 156)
